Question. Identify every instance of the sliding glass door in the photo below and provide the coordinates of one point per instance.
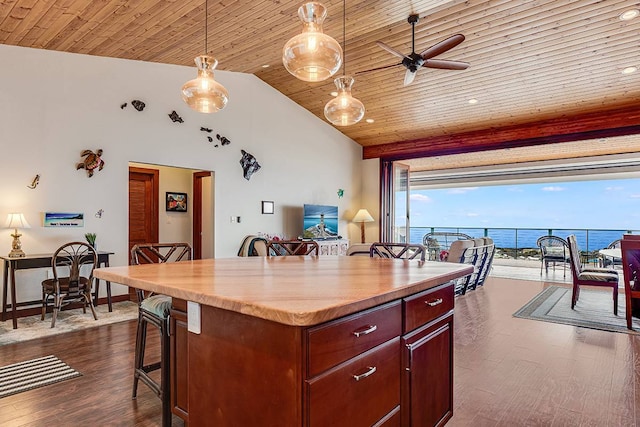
(395, 202)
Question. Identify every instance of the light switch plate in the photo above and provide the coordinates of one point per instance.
(193, 317)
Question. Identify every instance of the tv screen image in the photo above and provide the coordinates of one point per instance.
(320, 222)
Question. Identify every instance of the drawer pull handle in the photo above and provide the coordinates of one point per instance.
(370, 371)
(368, 330)
(434, 302)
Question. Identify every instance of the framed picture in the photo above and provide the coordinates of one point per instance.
(267, 207)
(176, 202)
(60, 219)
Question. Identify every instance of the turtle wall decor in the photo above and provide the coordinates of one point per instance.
(91, 162)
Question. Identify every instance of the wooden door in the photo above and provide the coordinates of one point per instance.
(197, 213)
(143, 207)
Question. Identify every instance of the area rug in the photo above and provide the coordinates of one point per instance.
(594, 310)
(32, 327)
(34, 373)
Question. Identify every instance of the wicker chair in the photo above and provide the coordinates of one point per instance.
(553, 250)
(397, 250)
(608, 261)
(439, 241)
(62, 290)
(292, 247)
(154, 310)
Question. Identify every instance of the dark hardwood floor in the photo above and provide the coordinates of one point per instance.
(508, 372)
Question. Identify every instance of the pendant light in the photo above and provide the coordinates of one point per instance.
(203, 93)
(344, 109)
(312, 56)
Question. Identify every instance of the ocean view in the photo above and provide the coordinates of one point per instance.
(523, 238)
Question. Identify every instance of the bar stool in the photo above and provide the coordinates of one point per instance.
(154, 310)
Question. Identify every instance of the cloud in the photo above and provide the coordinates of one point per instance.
(461, 190)
(553, 188)
(420, 198)
(635, 196)
(614, 189)
(472, 214)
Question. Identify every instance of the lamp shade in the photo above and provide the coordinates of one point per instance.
(312, 56)
(363, 216)
(16, 220)
(203, 93)
(344, 109)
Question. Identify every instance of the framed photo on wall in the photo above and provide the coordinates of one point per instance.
(176, 202)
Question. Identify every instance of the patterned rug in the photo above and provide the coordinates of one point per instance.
(34, 373)
(32, 327)
(593, 310)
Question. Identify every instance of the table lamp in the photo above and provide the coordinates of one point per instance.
(362, 216)
(15, 221)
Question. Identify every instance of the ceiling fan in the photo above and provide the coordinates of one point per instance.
(414, 61)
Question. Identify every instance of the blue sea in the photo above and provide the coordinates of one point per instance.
(521, 238)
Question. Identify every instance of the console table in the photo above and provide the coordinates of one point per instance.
(307, 340)
(11, 265)
(333, 247)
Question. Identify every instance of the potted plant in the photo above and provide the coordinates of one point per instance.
(91, 239)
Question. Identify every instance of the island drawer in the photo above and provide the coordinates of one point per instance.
(359, 392)
(426, 306)
(335, 342)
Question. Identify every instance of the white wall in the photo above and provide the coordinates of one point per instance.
(54, 105)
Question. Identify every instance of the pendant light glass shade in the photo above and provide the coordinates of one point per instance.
(203, 93)
(312, 56)
(344, 109)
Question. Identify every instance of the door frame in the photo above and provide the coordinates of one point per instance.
(197, 212)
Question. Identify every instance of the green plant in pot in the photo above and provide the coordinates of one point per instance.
(91, 239)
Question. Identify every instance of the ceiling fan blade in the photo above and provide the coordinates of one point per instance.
(409, 76)
(384, 67)
(442, 46)
(445, 64)
(391, 50)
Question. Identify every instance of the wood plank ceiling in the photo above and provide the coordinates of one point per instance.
(530, 60)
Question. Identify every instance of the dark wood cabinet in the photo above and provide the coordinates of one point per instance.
(179, 366)
(388, 366)
(427, 358)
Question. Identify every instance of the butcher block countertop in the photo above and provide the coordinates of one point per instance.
(293, 290)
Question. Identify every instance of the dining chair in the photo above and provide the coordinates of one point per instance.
(590, 276)
(68, 283)
(553, 250)
(153, 309)
(398, 250)
(292, 247)
(631, 271)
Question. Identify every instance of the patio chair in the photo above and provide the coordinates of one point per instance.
(631, 271)
(591, 276)
(553, 250)
(609, 261)
(437, 244)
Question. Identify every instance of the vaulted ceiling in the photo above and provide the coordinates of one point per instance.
(532, 62)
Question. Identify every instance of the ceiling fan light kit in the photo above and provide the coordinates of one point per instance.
(204, 94)
(344, 109)
(312, 56)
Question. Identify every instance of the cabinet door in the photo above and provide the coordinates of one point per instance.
(427, 387)
(179, 370)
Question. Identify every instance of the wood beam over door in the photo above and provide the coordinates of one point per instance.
(601, 124)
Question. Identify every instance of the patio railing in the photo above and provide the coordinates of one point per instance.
(521, 242)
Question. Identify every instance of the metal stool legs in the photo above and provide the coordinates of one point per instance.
(141, 371)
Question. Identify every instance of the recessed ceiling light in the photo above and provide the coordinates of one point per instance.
(265, 66)
(629, 70)
(473, 101)
(369, 120)
(334, 93)
(629, 14)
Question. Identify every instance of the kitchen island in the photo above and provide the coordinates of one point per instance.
(307, 341)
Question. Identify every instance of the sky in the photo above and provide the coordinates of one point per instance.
(610, 204)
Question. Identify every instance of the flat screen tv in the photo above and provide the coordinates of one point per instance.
(320, 222)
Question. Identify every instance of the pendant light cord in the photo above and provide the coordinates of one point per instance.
(206, 26)
(344, 37)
